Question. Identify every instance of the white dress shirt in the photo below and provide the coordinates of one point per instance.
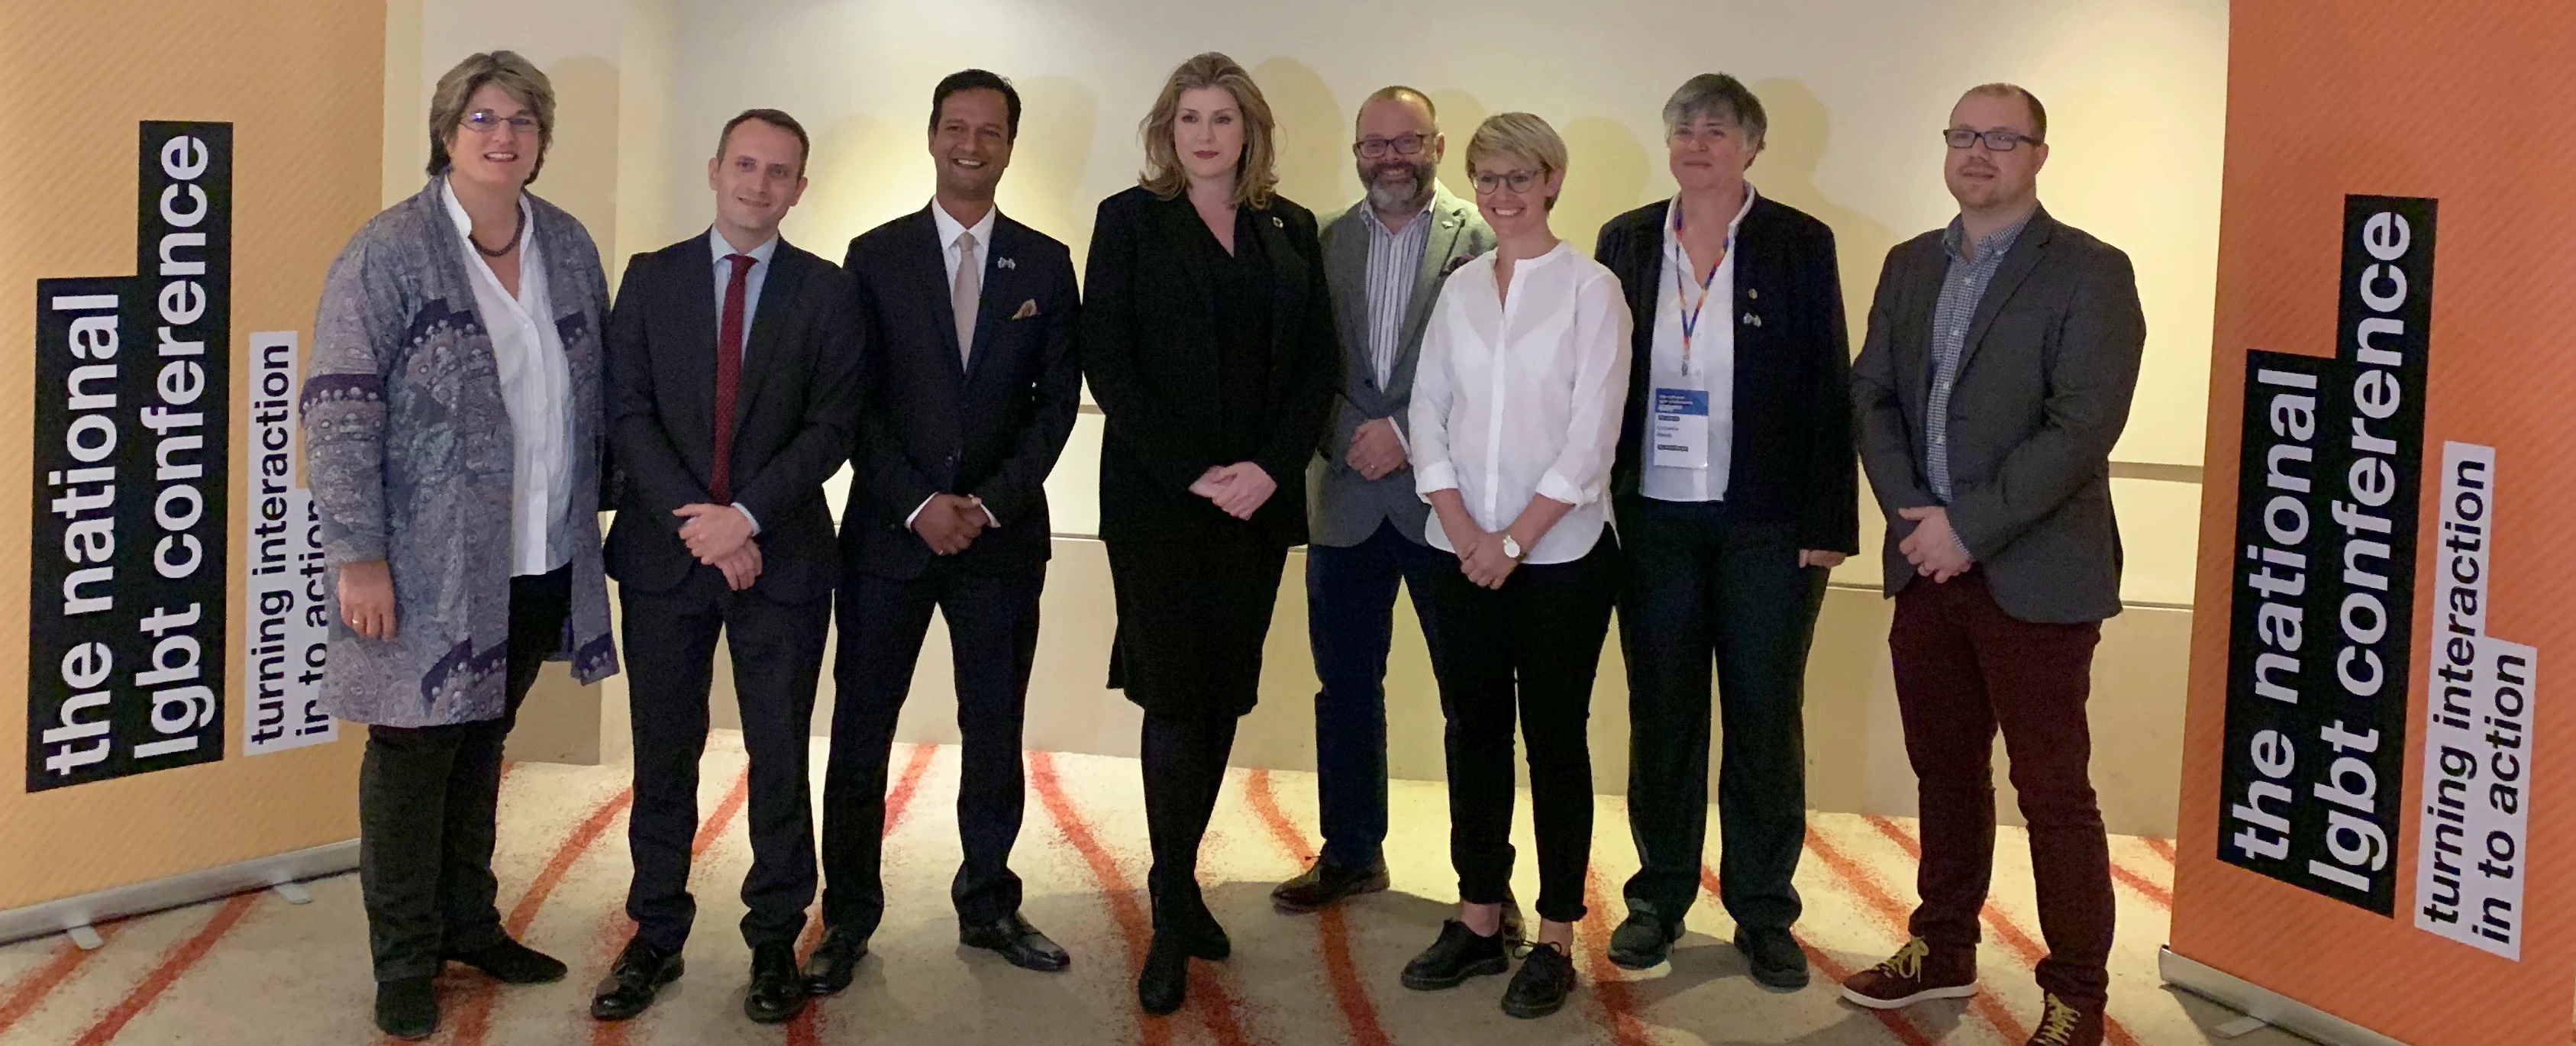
(751, 285)
(1521, 397)
(949, 228)
(536, 388)
(1709, 357)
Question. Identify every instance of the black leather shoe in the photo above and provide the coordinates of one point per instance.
(834, 962)
(1642, 942)
(634, 979)
(1456, 956)
(777, 987)
(510, 962)
(1775, 957)
(1018, 942)
(1165, 982)
(1546, 978)
(407, 1009)
(1326, 883)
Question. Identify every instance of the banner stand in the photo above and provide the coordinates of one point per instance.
(91, 909)
(2263, 1004)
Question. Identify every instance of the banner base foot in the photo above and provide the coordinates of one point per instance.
(84, 937)
(76, 915)
(2262, 1006)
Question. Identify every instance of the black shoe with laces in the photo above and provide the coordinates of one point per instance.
(1458, 954)
(1546, 978)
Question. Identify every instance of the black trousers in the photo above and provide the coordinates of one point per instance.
(1184, 759)
(427, 798)
(777, 653)
(993, 639)
(1528, 651)
(1701, 587)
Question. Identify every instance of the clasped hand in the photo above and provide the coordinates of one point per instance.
(1484, 563)
(1239, 489)
(720, 536)
(1932, 548)
(949, 523)
(1375, 452)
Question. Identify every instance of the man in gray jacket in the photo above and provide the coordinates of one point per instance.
(1997, 374)
(1385, 258)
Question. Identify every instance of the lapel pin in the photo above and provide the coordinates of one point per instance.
(1278, 222)
(1752, 293)
(1005, 263)
(1751, 320)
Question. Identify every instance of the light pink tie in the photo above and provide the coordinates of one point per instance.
(965, 295)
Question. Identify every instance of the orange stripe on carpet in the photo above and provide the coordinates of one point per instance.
(1331, 926)
(2156, 895)
(1134, 924)
(807, 1028)
(2030, 951)
(1618, 1004)
(1895, 1022)
(710, 832)
(2163, 847)
(174, 964)
(31, 991)
(1894, 916)
(474, 1009)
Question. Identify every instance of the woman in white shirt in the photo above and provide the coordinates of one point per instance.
(1515, 419)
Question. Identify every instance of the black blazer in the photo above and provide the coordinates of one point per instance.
(1794, 460)
(990, 427)
(792, 414)
(1149, 347)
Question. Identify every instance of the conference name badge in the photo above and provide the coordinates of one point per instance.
(1680, 430)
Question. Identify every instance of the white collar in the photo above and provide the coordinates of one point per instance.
(949, 226)
(465, 222)
(720, 248)
(1673, 218)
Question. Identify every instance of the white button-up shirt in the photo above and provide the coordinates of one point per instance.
(1709, 355)
(751, 284)
(949, 227)
(1521, 397)
(536, 388)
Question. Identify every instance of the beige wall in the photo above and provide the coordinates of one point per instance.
(1855, 91)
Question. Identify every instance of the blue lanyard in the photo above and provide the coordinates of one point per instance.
(1681, 259)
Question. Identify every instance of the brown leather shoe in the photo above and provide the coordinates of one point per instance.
(2062, 1023)
(1916, 973)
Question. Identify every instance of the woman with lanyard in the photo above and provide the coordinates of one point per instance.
(1736, 490)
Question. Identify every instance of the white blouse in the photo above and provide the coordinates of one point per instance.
(1522, 397)
(536, 388)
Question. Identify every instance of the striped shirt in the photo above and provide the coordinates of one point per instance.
(1962, 287)
(1394, 264)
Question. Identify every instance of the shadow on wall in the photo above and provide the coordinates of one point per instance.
(1794, 148)
(581, 165)
(1313, 137)
(1605, 176)
(1459, 113)
(1058, 121)
(853, 187)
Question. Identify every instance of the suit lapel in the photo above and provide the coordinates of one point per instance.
(1449, 225)
(1287, 279)
(2017, 265)
(933, 265)
(998, 290)
(786, 272)
(700, 320)
(1349, 263)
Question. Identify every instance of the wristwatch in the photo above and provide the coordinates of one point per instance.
(1512, 547)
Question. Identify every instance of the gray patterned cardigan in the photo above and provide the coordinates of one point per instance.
(408, 451)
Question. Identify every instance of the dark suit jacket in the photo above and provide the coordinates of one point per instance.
(1792, 460)
(1149, 347)
(792, 414)
(2042, 392)
(990, 427)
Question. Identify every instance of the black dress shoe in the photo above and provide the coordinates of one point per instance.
(1642, 941)
(407, 1009)
(1546, 978)
(1018, 942)
(634, 979)
(1775, 957)
(777, 987)
(1326, 883)
(1165, 982)
(510, 962)
(1456, 956)
(834, 962)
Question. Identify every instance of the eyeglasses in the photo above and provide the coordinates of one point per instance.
(1516, 181)
(1997, 141)
(1402, 145)
(486, 121)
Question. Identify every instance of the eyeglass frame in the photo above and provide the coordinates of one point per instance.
(1528, 179)
(524, 122)
(2012, 139)
(1385, 146)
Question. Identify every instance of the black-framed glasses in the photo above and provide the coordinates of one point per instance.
(2001, 141)
(486, 121)
(1516, 181)
(1401, 145)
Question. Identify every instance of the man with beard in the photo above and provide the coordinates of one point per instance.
(1385, 258)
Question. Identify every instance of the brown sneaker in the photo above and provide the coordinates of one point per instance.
(1915, 974)
(2062, 1024)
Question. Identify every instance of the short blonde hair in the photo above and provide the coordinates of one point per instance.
(1256, 177)
(456, 90)
(1520, 136)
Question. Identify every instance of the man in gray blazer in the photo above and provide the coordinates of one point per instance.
(1996, 376)
(1385, 258)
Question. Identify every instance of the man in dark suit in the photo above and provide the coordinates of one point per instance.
(1385, 258)
(733, 381)
(1997, 374)
(968, 394)
(1736, 490)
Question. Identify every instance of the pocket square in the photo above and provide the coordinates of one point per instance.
(1027, 309)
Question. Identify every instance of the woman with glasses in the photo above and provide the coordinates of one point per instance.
(1208, 340)
(1515, 418)
(452, 417)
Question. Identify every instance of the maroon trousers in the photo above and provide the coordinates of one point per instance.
(1963, 669)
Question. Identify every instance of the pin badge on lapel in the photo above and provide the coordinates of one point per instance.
(1753, 292)
(1005, 263)
(1278, 222)
(1751, 320)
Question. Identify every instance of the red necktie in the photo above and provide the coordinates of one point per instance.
(728, 378)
